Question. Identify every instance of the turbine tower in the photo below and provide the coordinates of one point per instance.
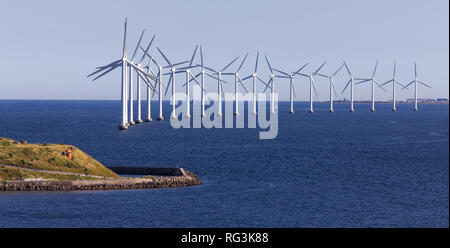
(139, 108)
(374, 81)
(311, 86)
(415, 81)
(130, 91)
(220, 90)
(393, 80)
(254, 76)
(271, 84)
(332, 87)
(237, 81)
(291, 89)
(203, 73)
(187, 70)
(171, 79)
(350, 82)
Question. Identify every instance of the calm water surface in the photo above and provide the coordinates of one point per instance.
(341, 169)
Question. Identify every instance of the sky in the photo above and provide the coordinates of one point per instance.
(49, 47)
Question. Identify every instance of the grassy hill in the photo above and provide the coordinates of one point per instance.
(46, 157)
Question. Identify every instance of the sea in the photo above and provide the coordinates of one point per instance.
(341, 169)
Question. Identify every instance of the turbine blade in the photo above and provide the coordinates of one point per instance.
(180, 63)
(375, 70)
(99, 69)
(124, 54)
(221, 86)
(317, 71)
(380, 86)
(348, 70)
(196, 81)
(146, 50)
(201, 55)
(408, 84)
(386, 82)
(211, 69)
(399, 82)
(349, 81)
(240, 81)
(260, 79)
(216, 77)
(139, 42)
(424, 84)
(282, 72)
(223, 69)
(415, 69)
(293, 88)
(193, 55)
(164, 56)
(247, 77)
(336, 72)
(334, 88)
(242, 63)
(301, 68)
(256, 64)
(268, 64)
(168, 84)
(267, 85)
(110, 69)
(322, 75)
(314, 87)
(363, 81)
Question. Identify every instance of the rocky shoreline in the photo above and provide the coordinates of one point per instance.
(188, 179)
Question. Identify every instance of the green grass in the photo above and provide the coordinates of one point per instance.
(21, 174)
(49, 157)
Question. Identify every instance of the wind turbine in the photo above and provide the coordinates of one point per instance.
(203, 73)
(130, 98)
(291, 81)
(311, 86)
(254, 76)
(237, 81)
(415, 81)
(220, 90)
(139, 120)
(271, 81)
(187, 84)
(374, 81)
(350, 82)
(171, 79)
(332, 87)
(110, 67)
(393, 80)
(158, 82)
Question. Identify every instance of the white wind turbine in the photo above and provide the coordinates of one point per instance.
(374, 81)
(312, 86)
(393, 80)
(255, 76)
(415, 81)
(171, 80)
(291, 82)
(158, 83)
(130, 91)
(203, 73)
(237, 81)
(139, 120)
(220, 90)
(187, 71)
(351, 83)
(332, 87)
(124, 63)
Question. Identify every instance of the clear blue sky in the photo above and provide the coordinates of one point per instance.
(49, 47)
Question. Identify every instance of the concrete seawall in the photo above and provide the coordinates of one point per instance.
(133, 170)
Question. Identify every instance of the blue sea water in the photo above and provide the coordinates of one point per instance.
(361, 169)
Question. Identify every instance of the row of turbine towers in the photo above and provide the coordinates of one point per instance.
(153, 80)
